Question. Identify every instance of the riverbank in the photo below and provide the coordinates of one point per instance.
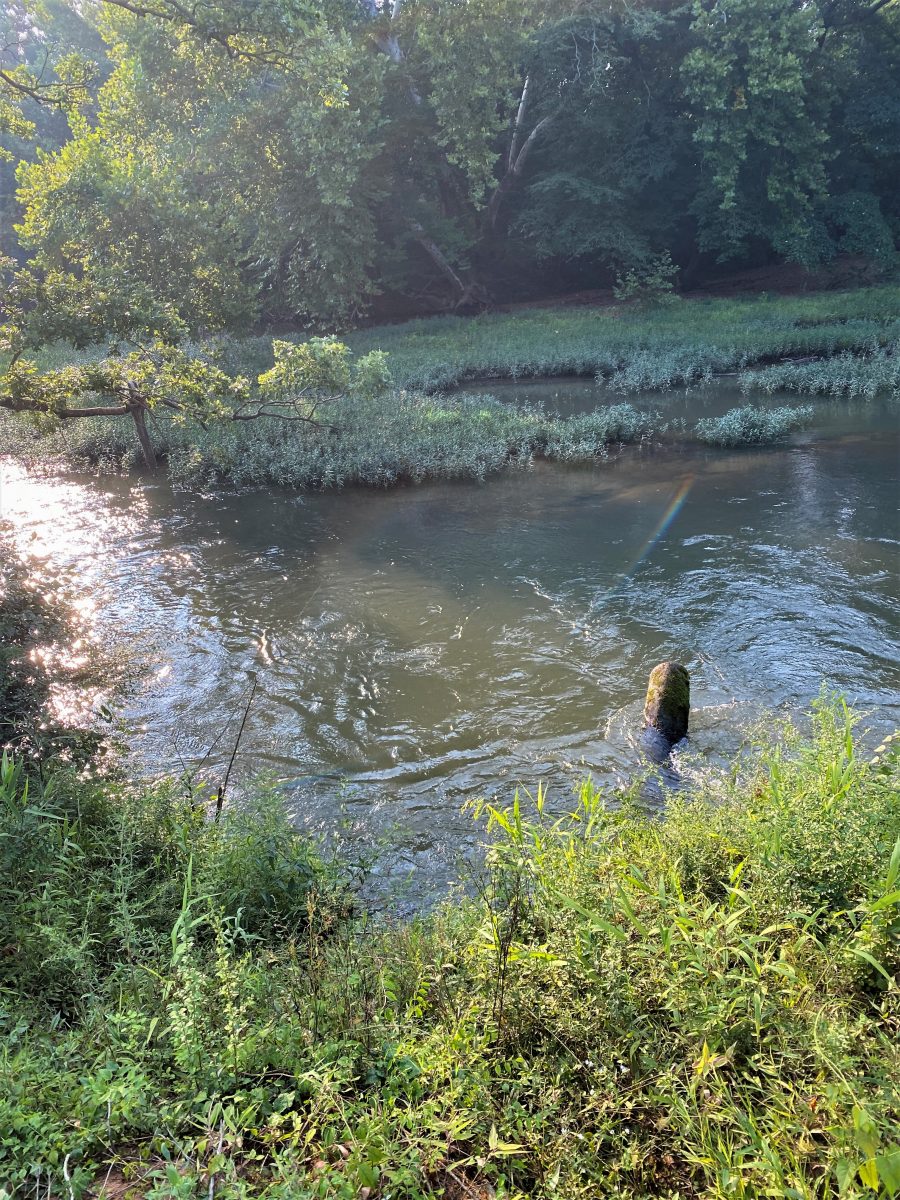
(826, 344)
(703, 1006)
(633, 348)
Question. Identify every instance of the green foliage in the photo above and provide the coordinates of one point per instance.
(162, 375)
(35, 72)
(651, 282)
(400, 437)
(367, 420)
(310, 161)
(751, 83)
(211, 181)
(752, 426)
(321, 368)
(872, 373)
(124, 258)
(94, 872)
(861, 228)
(704, 1004)
(473, 55)
(583, 437)
(183, 385)
(635, 350)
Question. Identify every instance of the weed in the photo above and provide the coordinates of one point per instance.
(874, 372)
(749, 426)
(704, 1005)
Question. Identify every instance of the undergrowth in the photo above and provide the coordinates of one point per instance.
(632, 348)
(703, 1005)
(866, 375)
(406, 437)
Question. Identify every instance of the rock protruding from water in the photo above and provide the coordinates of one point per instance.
(668, 704)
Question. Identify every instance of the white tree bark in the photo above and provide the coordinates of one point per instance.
(516, 158)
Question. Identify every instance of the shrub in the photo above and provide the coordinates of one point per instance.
(583, 437)
(650, 282)
(868, 374)
(749, 426)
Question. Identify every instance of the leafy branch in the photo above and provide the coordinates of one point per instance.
(166, 381)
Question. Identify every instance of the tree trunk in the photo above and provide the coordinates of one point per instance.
(436, 254)
(690, 272)
(517, 157)
(138, 413)
(470, 294)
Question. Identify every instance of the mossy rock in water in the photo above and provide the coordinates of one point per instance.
(668, 704)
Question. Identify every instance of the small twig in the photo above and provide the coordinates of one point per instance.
(214, 742)
(212, 1178)
(67, 1177)
(462, 1181)
(220, 794)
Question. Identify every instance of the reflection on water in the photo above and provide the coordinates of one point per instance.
(419, 646)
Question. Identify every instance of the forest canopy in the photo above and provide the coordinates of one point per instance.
(179, 167)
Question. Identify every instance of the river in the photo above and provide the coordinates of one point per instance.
(417, 647)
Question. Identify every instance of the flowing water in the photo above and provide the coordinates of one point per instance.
(416, 647)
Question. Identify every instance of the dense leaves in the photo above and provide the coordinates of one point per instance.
(180, 386)
(306, 159)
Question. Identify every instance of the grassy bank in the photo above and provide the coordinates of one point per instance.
(706, 1005)
(847, 341)
(401, 438)
(637, 349)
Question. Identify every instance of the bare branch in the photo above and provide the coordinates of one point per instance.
(38, 92)
(283, 410)
(100, 410)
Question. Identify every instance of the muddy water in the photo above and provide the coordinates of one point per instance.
(416, 647)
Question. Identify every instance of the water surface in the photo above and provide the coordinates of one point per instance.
(415, 647)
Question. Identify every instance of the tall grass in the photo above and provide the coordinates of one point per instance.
(872, 373)
(418, 431)
(405, 437)
(705, 1004)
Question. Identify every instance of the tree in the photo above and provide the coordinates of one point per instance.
(33, 71)
(304, 160)
(759, 121)
(611, 187)
(765, 82)
(215, 186)
(166, 382)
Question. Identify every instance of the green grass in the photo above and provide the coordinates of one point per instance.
(703, 1005)
(635, 348)
(404, 437)
(418, 432)
(871, 373)
(752, 426)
